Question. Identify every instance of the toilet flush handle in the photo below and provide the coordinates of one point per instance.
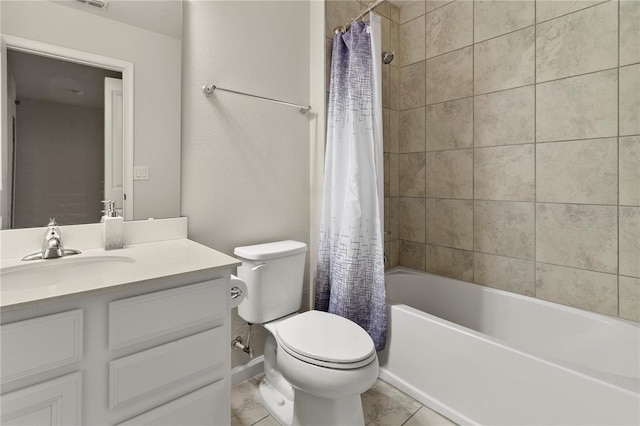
(255, 268)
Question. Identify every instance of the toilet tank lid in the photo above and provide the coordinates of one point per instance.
(270, 250)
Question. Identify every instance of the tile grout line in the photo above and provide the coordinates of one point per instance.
(473, 142)
(535, 148)
(618, 170)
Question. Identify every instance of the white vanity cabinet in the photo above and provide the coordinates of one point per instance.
(155, 352)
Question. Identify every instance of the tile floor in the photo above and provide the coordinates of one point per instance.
(383, 405)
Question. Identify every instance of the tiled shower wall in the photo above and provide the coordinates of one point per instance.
(513, 148)
(512, 144)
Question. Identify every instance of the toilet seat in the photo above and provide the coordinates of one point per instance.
(325, 340)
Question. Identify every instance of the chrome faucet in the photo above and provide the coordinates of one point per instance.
(52, 247)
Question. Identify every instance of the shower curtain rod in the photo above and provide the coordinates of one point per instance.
(369, 8)
(210, 88)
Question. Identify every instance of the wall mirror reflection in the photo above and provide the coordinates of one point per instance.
(72, 134)
(65, 151)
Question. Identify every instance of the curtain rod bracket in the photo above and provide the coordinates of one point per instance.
(208, 90)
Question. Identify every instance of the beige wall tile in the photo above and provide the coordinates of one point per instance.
(412, 255)
(630, 100)
(581, 236)
(504, 118)
(386, 131)
(412, 41)
(583, 171)
(411, 10)
(387, 173)
(629, 218)
(577, 108)
(629, 32)
(386, 30)
(394, 175)
(412, 130)
(450, 223)
(453, 263)
(449, 28)
(449, 125)
(338, 13)
(589, 290)
(496, 17)
(412, 174)
(504, 273)
(385, 86)
(450, 76)
(449, 174)
(394, 87)
(394, 255)
(412, 219)
(549, 9)
(630, 171)
(578, 43)
(394, 227)
(504, 228)
(387, 220)
(630, 298)
(394, 13)
(394, 38)
(504, 62)
(383, 9)
(435, 4)
(412, 86)
(394, 131)
(504, 173)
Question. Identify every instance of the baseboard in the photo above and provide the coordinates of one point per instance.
(246, 371)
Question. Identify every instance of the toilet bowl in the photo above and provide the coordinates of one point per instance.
(316, 364)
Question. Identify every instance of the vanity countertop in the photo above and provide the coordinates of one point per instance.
(97, 269)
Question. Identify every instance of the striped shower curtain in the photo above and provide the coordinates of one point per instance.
(350, 275)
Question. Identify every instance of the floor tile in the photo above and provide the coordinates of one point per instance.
(385, 405)
(246, 405)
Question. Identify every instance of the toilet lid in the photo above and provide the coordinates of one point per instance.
(326, 339)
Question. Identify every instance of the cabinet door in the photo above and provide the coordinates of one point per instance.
(55, 402)
(40, 344)
(206, 406)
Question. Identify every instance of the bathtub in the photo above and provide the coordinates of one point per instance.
(489, 357)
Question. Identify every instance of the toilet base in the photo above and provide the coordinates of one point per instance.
(276, 404)
(310, 410)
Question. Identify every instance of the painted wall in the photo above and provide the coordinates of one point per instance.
(519, 148)
(157, 71)
(246, 162)
(59, 163)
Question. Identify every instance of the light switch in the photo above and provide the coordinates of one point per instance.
(141, 173)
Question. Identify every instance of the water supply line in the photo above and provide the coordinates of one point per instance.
(237, 343)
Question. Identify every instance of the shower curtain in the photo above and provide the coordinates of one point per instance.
(350, 275)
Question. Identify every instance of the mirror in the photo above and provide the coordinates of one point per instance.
(138, 41)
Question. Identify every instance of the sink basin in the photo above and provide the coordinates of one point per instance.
(74, 270)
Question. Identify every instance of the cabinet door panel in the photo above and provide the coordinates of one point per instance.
(169, 370)
(206, 406)
(40, 344)
(141, 318)
(55, 402)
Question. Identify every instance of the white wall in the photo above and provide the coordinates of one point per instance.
(157, 87)
(245, 162)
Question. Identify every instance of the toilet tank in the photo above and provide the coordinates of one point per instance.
(274, 275)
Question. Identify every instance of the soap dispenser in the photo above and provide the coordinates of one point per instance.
(113, 227)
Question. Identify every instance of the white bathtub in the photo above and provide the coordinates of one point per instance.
(484, 356)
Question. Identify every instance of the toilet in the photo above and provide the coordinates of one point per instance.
(316, 364)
